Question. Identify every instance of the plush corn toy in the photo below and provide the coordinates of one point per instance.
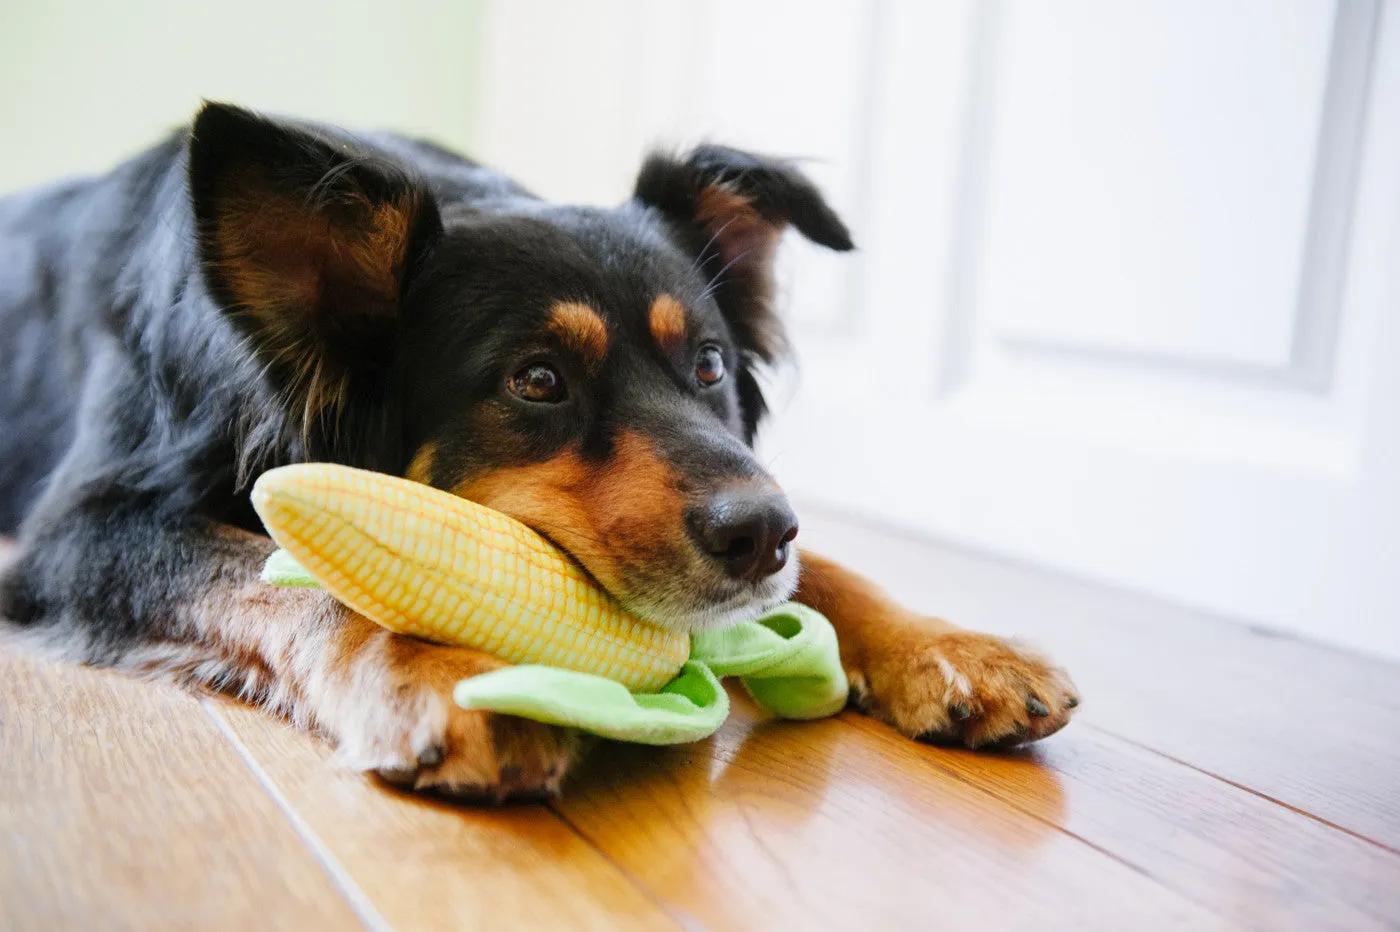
(424, 562)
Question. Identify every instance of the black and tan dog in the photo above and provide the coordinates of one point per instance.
(252, 292)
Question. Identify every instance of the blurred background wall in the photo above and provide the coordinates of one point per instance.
(1126, 301)
(84, 83)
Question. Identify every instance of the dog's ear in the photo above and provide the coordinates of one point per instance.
(730, 209)
(307, 244)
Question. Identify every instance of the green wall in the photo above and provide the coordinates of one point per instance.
(84, 84)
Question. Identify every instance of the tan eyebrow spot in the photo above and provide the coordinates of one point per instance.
(667, 321)
(580, 328)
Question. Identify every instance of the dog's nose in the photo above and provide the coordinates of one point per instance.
(749, 531)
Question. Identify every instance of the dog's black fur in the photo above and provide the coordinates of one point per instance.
(141, 393)
(253, 292)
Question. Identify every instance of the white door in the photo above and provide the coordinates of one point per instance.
(1126, 303)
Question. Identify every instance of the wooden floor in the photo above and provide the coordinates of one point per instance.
(1217, 777)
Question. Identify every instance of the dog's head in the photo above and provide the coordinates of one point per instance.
(590, 372)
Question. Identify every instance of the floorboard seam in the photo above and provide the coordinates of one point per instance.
(1141, 871)
(359, 903)
(1247, 789)
(681, 919)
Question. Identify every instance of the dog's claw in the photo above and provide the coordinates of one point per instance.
(1072, 702)
(400, 777)
(959, 712)
(542, 795)
(941, 737)
(1036, 707)
(430, 756)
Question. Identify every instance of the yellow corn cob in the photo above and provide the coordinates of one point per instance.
(424, 562)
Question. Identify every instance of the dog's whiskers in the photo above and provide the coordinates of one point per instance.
(716, 281)
(703, 256)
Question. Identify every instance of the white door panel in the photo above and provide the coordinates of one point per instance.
(1125, 301)
(1246, 466)
(1150, 172)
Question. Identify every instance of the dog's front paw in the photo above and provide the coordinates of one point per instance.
(958, 687)
(403, 726)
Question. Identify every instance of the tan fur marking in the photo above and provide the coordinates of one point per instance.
(278, 255)
(736, 226)
(860, 610)
(420, 468)
(580, 328)
(911, 670)
(747, 243)
(275, 252)
(667, 323)
(623, 518)
(382, 252)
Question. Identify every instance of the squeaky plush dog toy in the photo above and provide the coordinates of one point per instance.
(424, 562)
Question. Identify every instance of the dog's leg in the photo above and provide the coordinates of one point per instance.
(930, 679)
(187, 601)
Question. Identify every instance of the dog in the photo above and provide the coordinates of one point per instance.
(253, 292)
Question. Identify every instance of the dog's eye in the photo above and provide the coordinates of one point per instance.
(537, 382)
(709, 365)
